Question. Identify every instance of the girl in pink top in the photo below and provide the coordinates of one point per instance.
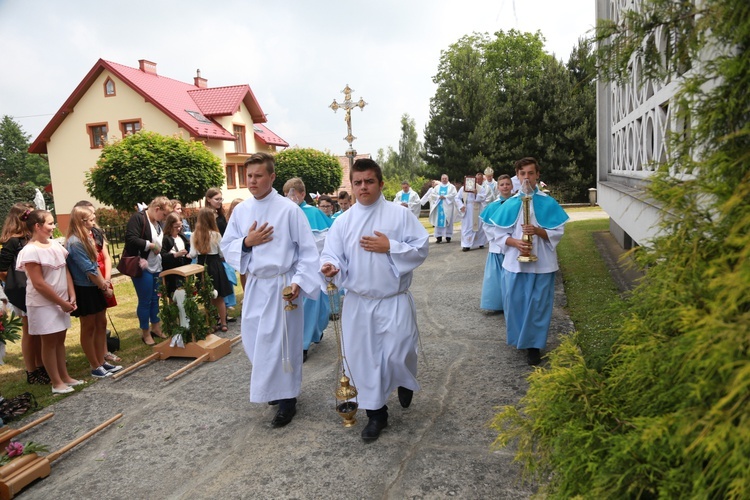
(50, 296)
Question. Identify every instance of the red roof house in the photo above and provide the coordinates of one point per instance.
(114, 100)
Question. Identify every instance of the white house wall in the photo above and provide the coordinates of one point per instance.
(632, 128)
(70, 152)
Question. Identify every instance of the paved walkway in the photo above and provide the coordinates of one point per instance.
(199, 437)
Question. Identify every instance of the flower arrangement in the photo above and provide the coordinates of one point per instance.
(10, 328)
(17, 449)
(197, 292)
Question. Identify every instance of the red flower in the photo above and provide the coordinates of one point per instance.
(14, 449)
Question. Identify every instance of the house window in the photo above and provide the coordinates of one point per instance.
(97, 134)
(231, 179)
(242, 175)
(239, 143)
(130, 127)
(109, 88)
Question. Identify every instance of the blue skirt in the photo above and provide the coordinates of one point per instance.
(528, 305)
(492, 285)
(316, 319)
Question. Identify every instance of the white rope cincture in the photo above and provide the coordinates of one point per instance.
(286, 363)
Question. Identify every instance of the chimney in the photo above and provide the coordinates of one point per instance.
(147, 66)
(201, 83)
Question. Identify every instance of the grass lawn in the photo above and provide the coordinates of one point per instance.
(594, 302)
(13, 374)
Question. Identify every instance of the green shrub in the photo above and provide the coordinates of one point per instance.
(667, 414)
(145, 165)
(321, 172)
(112, 217)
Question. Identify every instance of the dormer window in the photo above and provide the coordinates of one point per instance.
(109, 87)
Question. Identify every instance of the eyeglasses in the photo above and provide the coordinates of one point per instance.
(325, 206)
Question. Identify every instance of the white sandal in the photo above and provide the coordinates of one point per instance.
(112, 357)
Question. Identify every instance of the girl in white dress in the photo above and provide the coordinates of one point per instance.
(50, 296)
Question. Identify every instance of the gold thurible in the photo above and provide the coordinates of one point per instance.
(286, 294)
(346, 392)
(527, 238)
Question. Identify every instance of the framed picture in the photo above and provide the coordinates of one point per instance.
(470, 184)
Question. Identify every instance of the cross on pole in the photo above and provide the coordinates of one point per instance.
(348, 105)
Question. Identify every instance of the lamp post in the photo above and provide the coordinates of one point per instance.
(348, 105)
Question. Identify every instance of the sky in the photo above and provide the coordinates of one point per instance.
(296, 55)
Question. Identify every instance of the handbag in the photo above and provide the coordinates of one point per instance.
(130, 265)
(113, 343)
(15, 286)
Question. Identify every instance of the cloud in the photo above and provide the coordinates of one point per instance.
(296, 55)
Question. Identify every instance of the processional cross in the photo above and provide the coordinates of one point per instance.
(348, 105)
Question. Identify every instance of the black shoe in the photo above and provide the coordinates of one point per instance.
(465, 249)
(404, 396)
(304, 355)
(273, 403)
(447, 240)
(43, 375)
(231, 320)
(37, 377)
(481, 246)
(533, 356)
(439, 239)
(372, 430)
(285, 414)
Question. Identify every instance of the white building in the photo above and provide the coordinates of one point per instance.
(633, 122)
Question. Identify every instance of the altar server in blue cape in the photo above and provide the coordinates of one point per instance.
(492, 289)
(269, 239)
(317, 310)
(345, 202)
(529, 287)
(442, 209)
(408, 198)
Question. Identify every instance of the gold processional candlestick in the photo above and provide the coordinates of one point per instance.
(346, 392)
(286, 294)
(528, 194)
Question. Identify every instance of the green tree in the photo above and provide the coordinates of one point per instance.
(144, 165)
(321, 172)
(502, 98)
(410, 150)
(666, 414)
(17, 165)
(406, 163)
(457, 130)
(387, 161)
